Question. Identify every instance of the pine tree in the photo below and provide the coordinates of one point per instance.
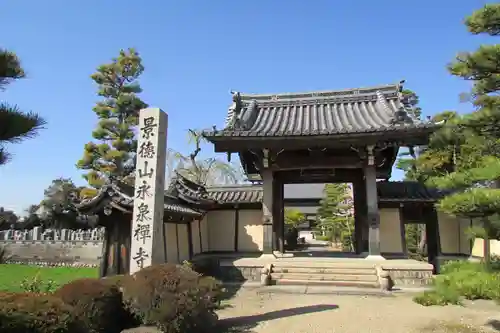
(473, 141)
(335, 214)
(113, 155)
(15, 125)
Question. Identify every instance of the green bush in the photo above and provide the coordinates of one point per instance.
(173, 298)
(38, 285)
(35, 313)
(99, 303)
(462, 279)
(323, 238)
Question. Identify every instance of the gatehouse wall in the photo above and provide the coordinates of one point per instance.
(391, 240)
(453, 235)
(233, 230)
(228, 230)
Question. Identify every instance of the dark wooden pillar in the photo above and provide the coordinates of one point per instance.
(190, 240)
(432, 235)
(116, 246)
(278, 214)
(359, 196)
(373, 216)
(267, 210)
(236, 226)
(402, 223)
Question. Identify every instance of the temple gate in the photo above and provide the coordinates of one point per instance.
(321, 137)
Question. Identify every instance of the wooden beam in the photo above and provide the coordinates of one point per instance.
(236, 143)
(288, 162)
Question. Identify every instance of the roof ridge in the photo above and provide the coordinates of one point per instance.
(232, 187)
(390, 88)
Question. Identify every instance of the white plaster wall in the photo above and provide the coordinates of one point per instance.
(250, 231)
(172, 255)
(390, 231)
(478, 248)
(221, 230)
(195, 236)
(205, 246)
(182, 231)
(453, 235)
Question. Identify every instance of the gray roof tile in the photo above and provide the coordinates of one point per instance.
(319, 113)
(123, 195)
(387, 192)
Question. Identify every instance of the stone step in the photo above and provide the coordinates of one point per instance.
(320, 270)
(324, 277)
(324, 264)
(296, 282)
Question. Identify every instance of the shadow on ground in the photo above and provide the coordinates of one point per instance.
(245, 324)
(495, 324)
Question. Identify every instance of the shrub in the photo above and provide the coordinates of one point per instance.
(462, 279)
(99, 303)
(34, 313)
(174, 298)
(37, 285)
(116, 280)
(428, 298)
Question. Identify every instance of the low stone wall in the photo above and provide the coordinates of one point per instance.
(51, 247)
(419, 275)
(39, 234)
(239, 274)
(55, 253)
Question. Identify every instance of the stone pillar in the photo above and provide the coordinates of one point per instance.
(147, 219)
(267, 210)
(373, 217)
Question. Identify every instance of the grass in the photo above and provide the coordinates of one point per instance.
(12, 275)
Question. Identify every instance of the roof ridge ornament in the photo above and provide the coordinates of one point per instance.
(234, 110)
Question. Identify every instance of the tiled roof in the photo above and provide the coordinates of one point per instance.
(407, 191)
(387, 192)
(188, 191)
(362, 110)
(236, 194)
(123, 195)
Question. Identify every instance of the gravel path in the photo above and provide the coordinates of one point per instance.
(254, 310)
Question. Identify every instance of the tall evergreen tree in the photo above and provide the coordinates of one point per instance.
(336, 214)
(467, 149)
(15, 125)
(113, 155)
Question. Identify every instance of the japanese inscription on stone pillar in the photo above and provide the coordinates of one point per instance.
(147, 221)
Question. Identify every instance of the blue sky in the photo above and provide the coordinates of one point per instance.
(195, 52)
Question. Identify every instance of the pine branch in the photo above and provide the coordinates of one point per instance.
(16, 125)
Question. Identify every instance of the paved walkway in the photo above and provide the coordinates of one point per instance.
(259, 311)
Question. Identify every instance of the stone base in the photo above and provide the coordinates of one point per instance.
(240, 274)
(374, 257)
(409, 276)
(267, 256)
(279, 254)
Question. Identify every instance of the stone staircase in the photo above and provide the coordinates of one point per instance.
(324, 274)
